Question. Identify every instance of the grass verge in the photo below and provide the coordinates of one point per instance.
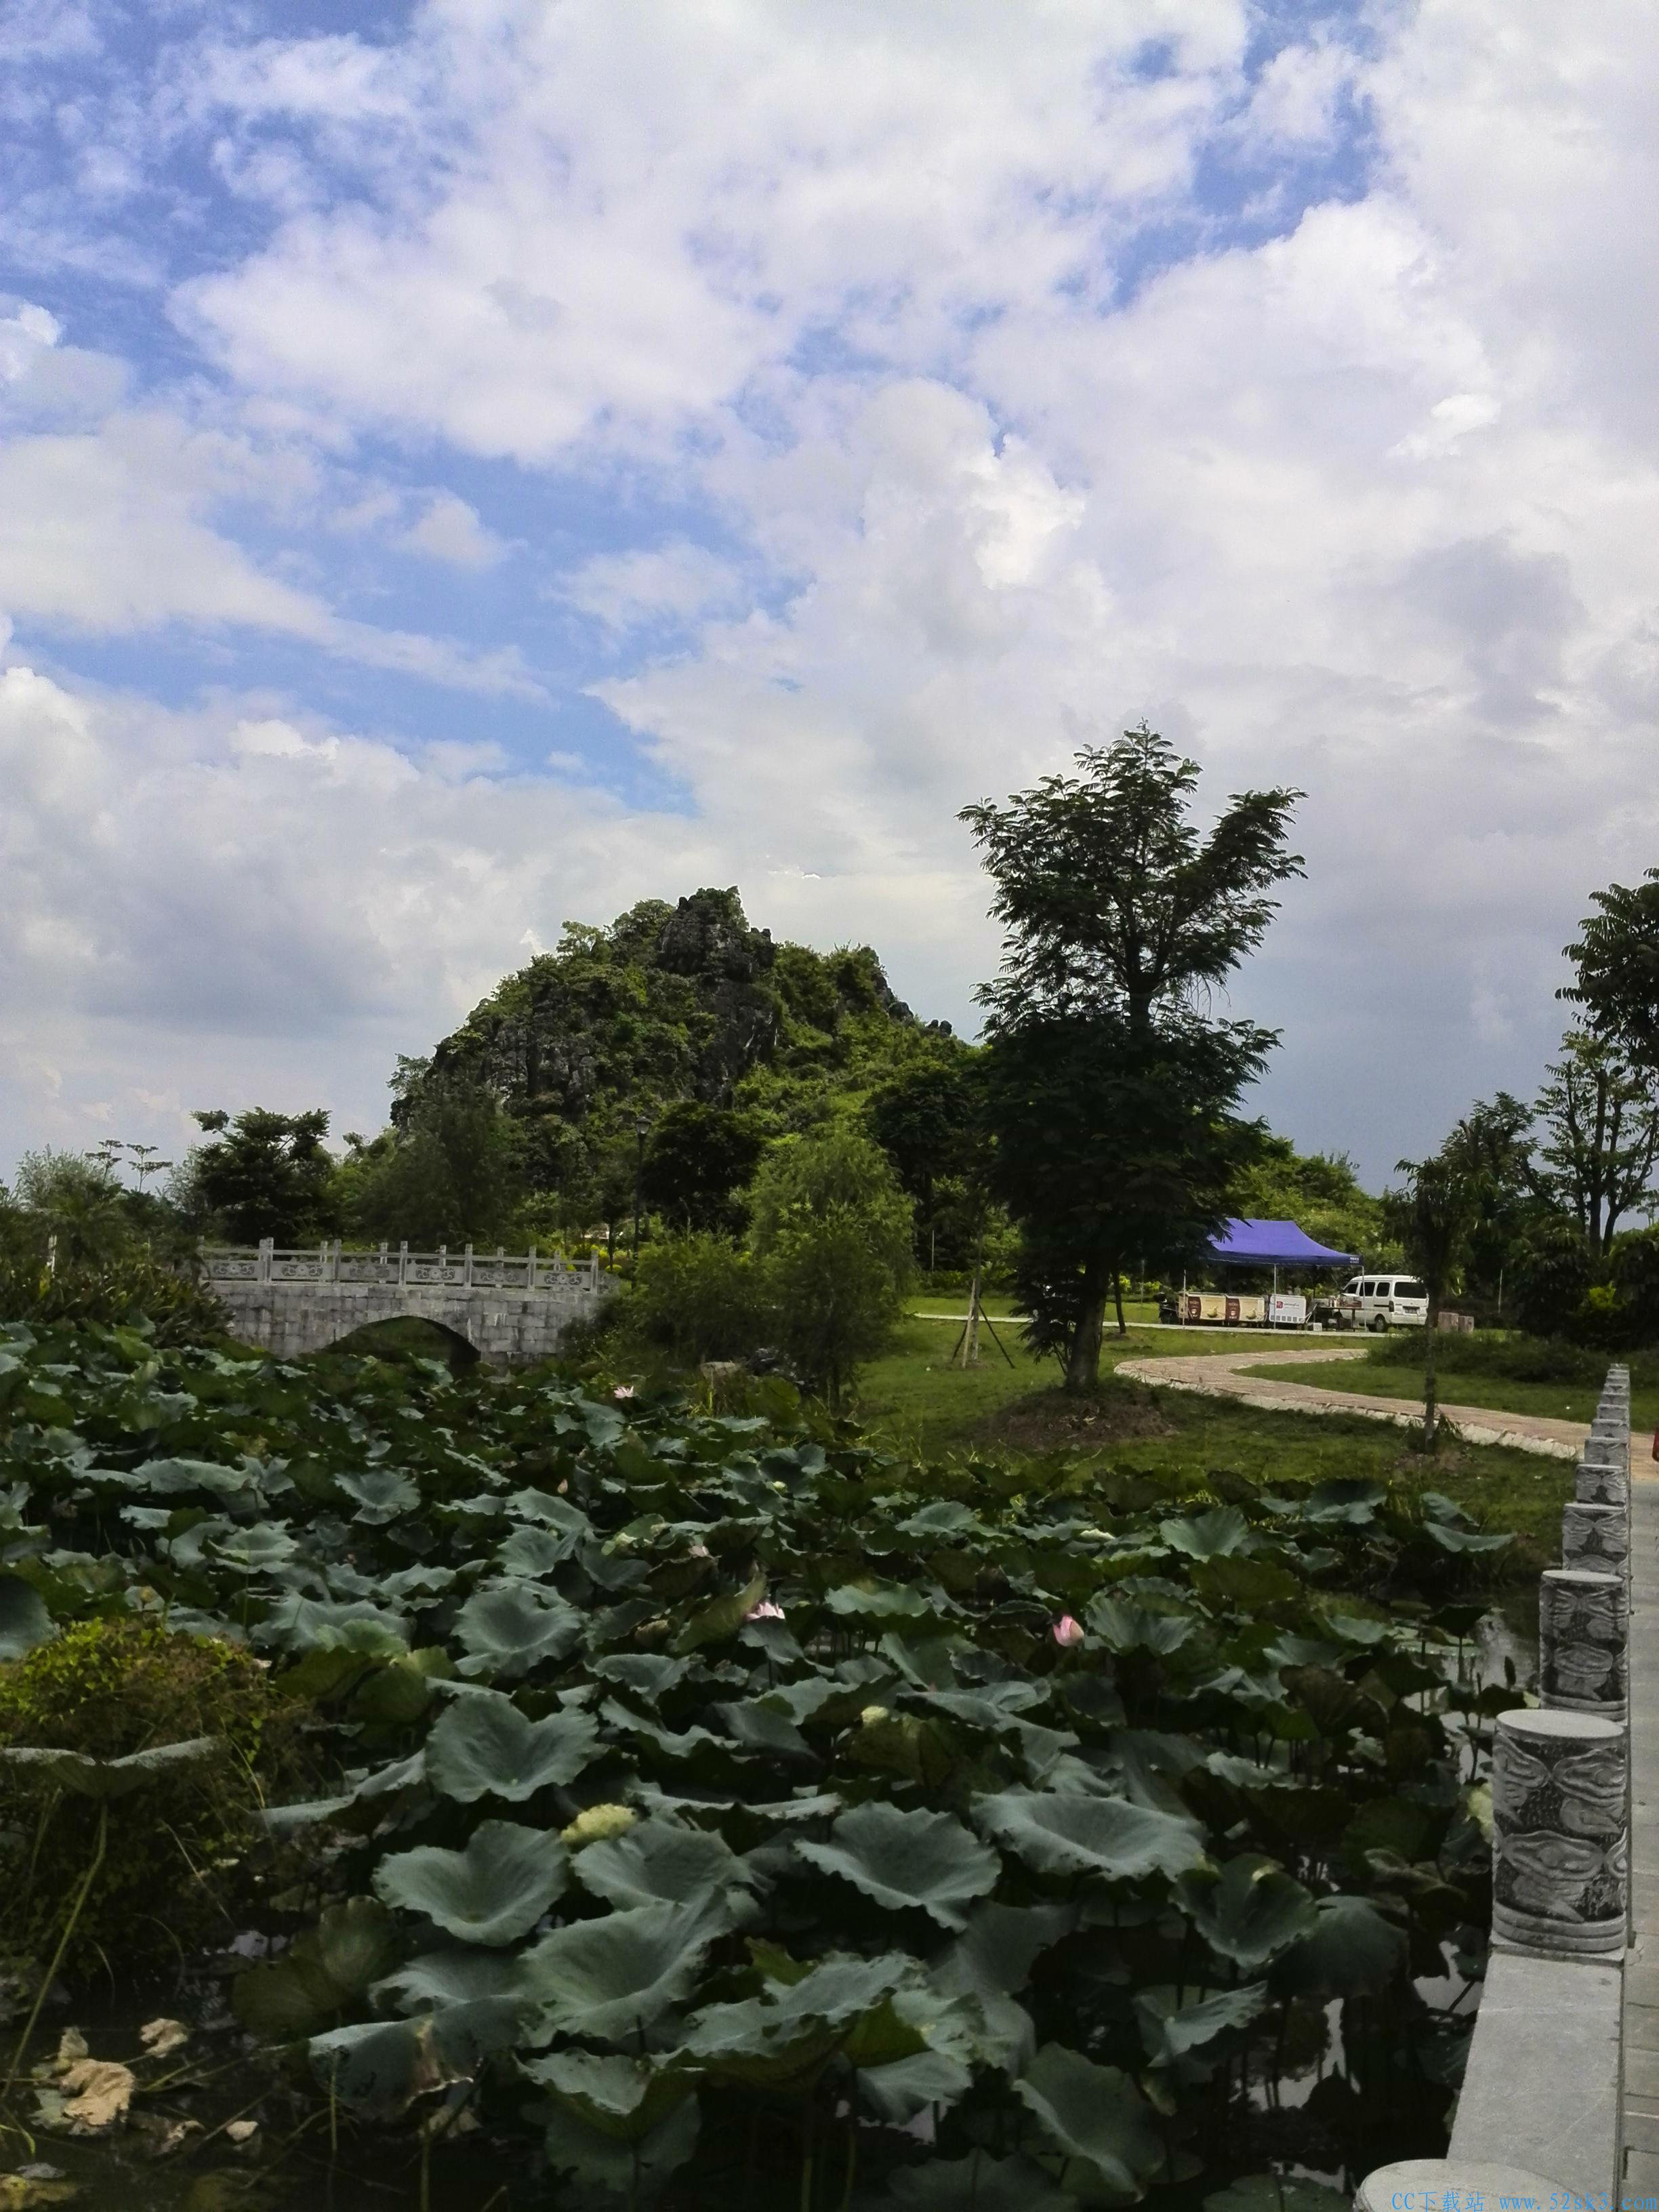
(914, 1400)
(1561, 1401)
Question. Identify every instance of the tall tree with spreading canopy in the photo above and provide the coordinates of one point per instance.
(265, 1174)
(1112, 1090)
(1615, 957)
(1600, 1143)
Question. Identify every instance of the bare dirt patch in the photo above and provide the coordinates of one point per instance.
(1055, 1421)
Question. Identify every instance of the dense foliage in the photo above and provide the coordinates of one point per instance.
(673, 1007)
(744, 1809)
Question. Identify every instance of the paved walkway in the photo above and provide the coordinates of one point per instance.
(1216, 1374)
(1640, 2102)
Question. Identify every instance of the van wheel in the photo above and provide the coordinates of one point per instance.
(1380, 1325)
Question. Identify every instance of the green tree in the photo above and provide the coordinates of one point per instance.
(265, 1174)
(1431, 1218)
(450, 1172)
(830, 1229)
(1319, 1191)
(697, 1159)
(1600, 1137)
(1493, 1148)
(930, 1120)
(1615, 957)
(76, 1199)
(1114, 1092)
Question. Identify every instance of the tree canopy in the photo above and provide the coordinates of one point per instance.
(1112, 1093)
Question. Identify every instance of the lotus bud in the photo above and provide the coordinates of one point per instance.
(872, 1714)
(1066, 1631)
(598, 1825)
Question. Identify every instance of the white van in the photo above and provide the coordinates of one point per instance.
(1384, 1302)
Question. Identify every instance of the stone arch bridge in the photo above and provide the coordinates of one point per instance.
(513, 1308)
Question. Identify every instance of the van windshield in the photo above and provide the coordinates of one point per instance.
(1406, 1288)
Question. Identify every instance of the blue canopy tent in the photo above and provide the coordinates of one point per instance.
(1275, 1244)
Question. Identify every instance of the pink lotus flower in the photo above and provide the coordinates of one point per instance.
(765, 1611)
(1066, 1631)
(622, 1390)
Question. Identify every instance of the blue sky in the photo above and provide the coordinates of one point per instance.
(470, 466)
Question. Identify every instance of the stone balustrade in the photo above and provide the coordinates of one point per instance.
(1539, 2115)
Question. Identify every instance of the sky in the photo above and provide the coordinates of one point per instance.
(470, 466)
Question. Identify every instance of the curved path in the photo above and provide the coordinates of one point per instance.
(1217, 1374)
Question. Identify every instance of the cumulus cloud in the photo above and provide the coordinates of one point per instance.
(899, 402)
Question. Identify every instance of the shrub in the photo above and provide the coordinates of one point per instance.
(832, 1233)
(695, 1297)
(129, 1288)
(109, 1689)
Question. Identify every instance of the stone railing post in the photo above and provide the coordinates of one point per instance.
(1595, 1537)
(267, 1246)
(466, 1270)
(403, 1263)
(1559, 1832)
(1583, 1629)
(530, 1275)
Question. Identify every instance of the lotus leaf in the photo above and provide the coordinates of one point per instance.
(86, 1776)
(1349, 1951)
(793, 2027)
(877, 1602)
(321, 1973)
(255, 1550)
(380, 2067)
(1064, 1834)
(530, 1504)
(658, 1862)
(1094, 2120)
(1346, 1501)
(627, 2168)
(531, 1553)
(719, 1622)
(917, 1859)
(1209, 1535)
(304, 1623)
(381, 1495)
(1122, 1626)
(1171, 2029)
(1249, 1910)
(24, 1620)
(649, 1674)
(513, 1627)
(167, 1477)
(1272, 2192)
(988, 2183)
(607, 1979)
(492, 1892)
(899, 2089)
(448, 1978)
(484, 1745)
(623, 2098)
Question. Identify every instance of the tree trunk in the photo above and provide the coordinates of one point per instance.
(1117, 1300)
(1083, 1367)
(1431, 1428)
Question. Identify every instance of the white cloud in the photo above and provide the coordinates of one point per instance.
(447, 528)
(1370, 506)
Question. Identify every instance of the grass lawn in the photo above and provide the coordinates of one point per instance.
(1566, 1401)
(915, 1401)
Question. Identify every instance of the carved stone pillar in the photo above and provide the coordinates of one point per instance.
(1559, 1785)
(1598, 1482)
(1584, 1626)
(1597, 1537)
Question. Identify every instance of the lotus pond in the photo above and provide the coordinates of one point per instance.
(498, 1790)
